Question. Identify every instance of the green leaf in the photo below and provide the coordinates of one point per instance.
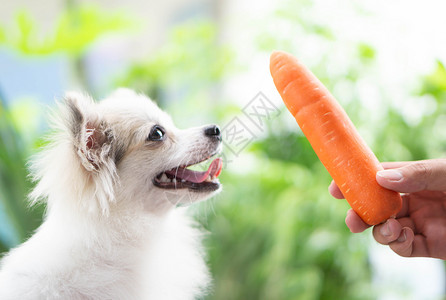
(26, 33)
(366, 51)
(2, 36)
(435, 83)
(78, 28)
(74, 32)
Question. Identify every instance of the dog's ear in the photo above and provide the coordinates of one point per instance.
(94, 145)
(92, 137)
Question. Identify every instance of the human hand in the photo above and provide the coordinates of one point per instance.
(419, 229)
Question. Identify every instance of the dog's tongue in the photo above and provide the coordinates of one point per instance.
(197, 176)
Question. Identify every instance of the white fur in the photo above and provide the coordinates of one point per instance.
(109, 233)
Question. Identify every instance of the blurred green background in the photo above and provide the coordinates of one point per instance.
(274, 231)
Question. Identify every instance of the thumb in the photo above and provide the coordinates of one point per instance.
(415, 177)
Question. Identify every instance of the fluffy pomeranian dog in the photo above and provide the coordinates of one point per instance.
(113, 177)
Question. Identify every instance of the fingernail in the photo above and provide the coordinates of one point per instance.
(402, 237)
(385, 230)
(392, 175)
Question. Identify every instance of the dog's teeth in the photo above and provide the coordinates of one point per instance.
(182, 180)
(164, 178)
(174, 180)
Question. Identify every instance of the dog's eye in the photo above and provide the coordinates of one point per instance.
(156, 134)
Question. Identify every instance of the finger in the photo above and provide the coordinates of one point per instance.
(433, 195)
(404, 211)
(354, 222)
(415, 177)
(335, 191)
(403, 245)
(410, 245)
(407, 222)
(420, 247)
(387, 232)
(395, 164)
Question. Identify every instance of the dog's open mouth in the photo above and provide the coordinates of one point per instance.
(182, 177)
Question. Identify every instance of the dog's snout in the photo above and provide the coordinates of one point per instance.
(213, 131)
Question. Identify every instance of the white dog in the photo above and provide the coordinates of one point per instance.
(112, 178)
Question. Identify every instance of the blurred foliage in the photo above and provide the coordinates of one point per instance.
(401, 139)
(276, 236)
(16, 128)
(2, 35)
(191, 60)
(275, 231)
(75, 30)
(435, 83)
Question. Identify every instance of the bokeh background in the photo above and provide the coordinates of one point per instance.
(274, 231)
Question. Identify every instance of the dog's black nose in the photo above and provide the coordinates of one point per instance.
(213, 131)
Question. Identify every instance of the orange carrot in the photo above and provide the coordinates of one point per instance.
(334, 138)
